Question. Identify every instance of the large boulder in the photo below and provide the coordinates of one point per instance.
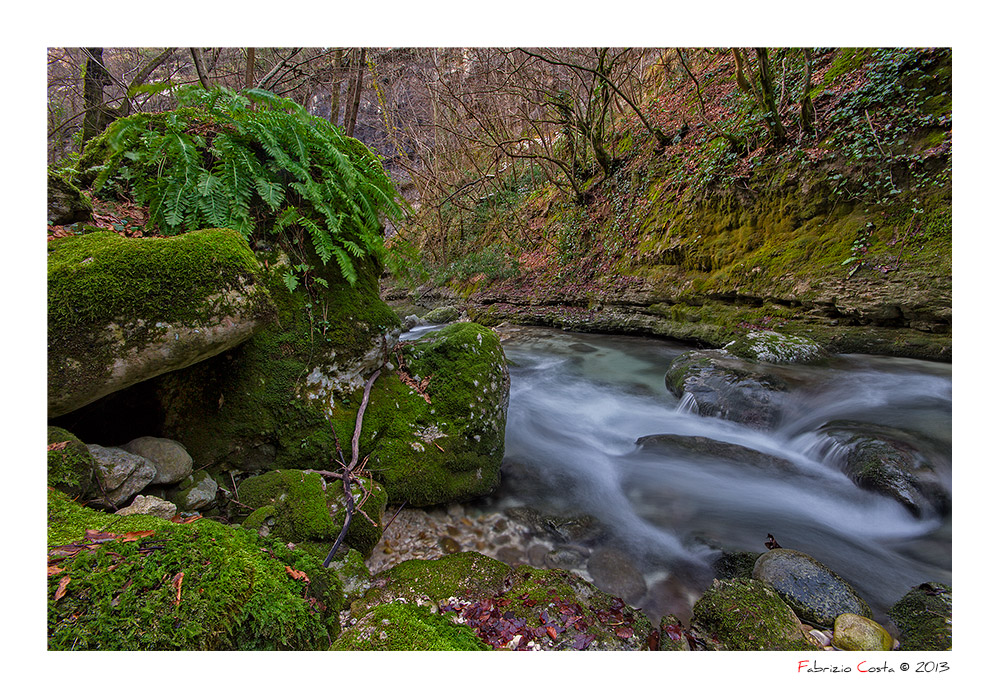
(434, 428)
(173, 463)
(743, 614)
(813, 591)
(777, 348)
(720, 385)
(121, 311)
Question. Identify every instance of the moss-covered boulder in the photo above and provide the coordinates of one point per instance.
(815, 593)
(71, 467)
(142, 583)
(434, 428)
(442, 314)
(923, 617)
(399, 626)
(777, 348)
(124, 310)
(746, 615)
(301, 508)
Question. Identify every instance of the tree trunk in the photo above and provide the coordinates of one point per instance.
(772, 119)
(251, 59)
(199, 66)
(808, 113)
(336, 81)
(351, 118)
(95, 77)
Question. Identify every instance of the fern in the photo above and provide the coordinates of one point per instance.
(215, 162)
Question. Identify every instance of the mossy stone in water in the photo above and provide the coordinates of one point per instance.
(853, 632)
(747, 615)
(923, 617)
(813, 591)
(777, 348)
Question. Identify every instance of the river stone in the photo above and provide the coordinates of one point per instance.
(197, 492)
(813, 591)
(125, 310)
(742, 614)
(853, 632)
(122, 474)
(699, 448)
(443, 314)
(149, 505)
(411, 321)
(173, 463)
(777, 348)
(616, 574)
(721, 385)
(923, 617)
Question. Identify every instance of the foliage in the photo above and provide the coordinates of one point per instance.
(253, 162)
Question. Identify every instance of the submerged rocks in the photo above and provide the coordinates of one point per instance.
(701, 449)
(813, 591)
(720, 385)
(614, 572)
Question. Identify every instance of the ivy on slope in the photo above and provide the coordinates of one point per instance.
(254, 162)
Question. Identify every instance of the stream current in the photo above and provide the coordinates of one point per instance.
(579, 403)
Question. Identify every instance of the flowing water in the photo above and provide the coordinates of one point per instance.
(579, 402)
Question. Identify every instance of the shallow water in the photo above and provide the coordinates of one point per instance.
(579, 403)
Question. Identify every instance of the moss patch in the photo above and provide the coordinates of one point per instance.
(748, 615)
(398, 626)
(234, 593)
(71, 468)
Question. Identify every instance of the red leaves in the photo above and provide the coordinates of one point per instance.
(296, 574)
(57, 446)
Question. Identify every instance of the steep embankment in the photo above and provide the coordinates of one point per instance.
(843, 234)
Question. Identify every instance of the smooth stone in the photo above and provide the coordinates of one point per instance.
(853, 632)
(616, 574)
(173, 463)
(813, 591)
(149, 505)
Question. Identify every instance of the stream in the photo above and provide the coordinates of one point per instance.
(579, 403)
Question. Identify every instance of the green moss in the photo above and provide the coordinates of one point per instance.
(404, 627)
(234, 594)
(923, 617)
(748, 615)
(71, 468)
(467, 573)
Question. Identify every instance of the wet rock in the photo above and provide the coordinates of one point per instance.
(149, 505)
(615, 573)
(734, 564)
(442, 314)
(537, 554)
(563, 558)
(813, 591)
(723, 386)
(777, 348)
(121, 474)
(746, 615)
(923, 617)
(853, 632)
(449, 545)
(173, 463)
(410, 322)
(510, 555)
(698, 448)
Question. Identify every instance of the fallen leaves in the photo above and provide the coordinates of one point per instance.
(178, 579)
(296, 574)
(57, 446)
(61, 590)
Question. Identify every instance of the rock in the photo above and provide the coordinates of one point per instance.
(67, 204)
(411, 321)
(196, 492)
(399, 626)
(813, 591)
(777, 348)
(124, 310)
(744, 614)
(444, 442)
(149, 505)
(890, 462)
(615, 573)
(295, 507)
(734, 564)
(442, 314)
(71, 467)
(853, 632)
(723, 386)
(923, 617)
(672, 634)
(696, 448)
(122, 474)
(173, 463)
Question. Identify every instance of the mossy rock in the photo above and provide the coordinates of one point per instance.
(298, 507)
(267, 404)
(923, 617)
(747, 615)
(853, 632)
(443, 443)
(402, 627)
(66, 203)
(124, 310)
(71, 467)
(777, 348)
(442, 314)
(196, 586)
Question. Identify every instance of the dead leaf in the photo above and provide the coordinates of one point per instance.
(178, 579)
(98, 537)
(53, 570)
(296, 574)
(61, 590)
(57, 446)
(178, 519)
(133, 536)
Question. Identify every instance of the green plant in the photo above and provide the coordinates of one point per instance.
(253, 162)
